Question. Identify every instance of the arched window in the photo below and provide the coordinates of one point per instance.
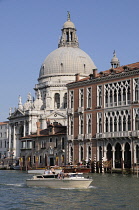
(111, 125)
(106, 124)
(57, 100)
(115, 124)
(124, 123)
(120, 124)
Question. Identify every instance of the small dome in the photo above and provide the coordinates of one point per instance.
(65, 61)
(114, 59)
(68, 24)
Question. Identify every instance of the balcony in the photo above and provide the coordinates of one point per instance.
(113, 134)
(70, 111)
(88, 136)
(70, 137)
(80, 109)
(119, 103)
(80, 136)
(135, 133)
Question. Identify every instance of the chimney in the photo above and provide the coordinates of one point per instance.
(38, 128)
(77, 77)
(94, 72)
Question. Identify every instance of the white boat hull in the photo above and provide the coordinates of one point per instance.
(59, 183)
(41, 171)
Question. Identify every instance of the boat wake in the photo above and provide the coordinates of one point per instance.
(63, 188)
(92, 187)
(15, 185)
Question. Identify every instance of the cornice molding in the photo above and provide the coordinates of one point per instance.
(104, 78)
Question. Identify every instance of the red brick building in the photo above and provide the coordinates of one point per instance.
(103, 116)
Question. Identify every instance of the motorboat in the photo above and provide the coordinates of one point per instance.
(57, 181)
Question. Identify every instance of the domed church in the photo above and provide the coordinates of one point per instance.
(50, 104)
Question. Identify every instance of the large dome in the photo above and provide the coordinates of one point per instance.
(66, 61)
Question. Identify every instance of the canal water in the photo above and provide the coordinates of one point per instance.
(108, 191)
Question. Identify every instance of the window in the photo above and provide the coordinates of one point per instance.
(99, 122)
(99, 96)
(70, 125)
(43, 144)
(81, 98)
(33, 144)
(57, 100)
(117, 94)
(81, 131)
(23, 145)
(89, 97)
(29, 144)
(116, 121)
(136, 89)
(71, 98)
(88, 129)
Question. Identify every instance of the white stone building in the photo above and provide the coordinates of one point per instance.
(4, 139)
(59, 68)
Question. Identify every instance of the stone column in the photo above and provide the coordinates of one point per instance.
(123, 155)
(105, 154)
(14, 141)
(10, 144)
(113, 156)
(24, 128)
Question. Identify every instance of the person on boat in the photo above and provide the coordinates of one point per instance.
(46, 171)
(62, 174)
(52, 170)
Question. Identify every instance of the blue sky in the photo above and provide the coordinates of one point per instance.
(30, 30)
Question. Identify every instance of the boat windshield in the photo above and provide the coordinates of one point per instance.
(76, 175)
(48, 176)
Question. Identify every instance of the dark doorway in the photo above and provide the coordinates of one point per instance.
(100, 153)
(118, 155)
(109, 152)
(127, 156)
(51, 161)
(81, 153)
